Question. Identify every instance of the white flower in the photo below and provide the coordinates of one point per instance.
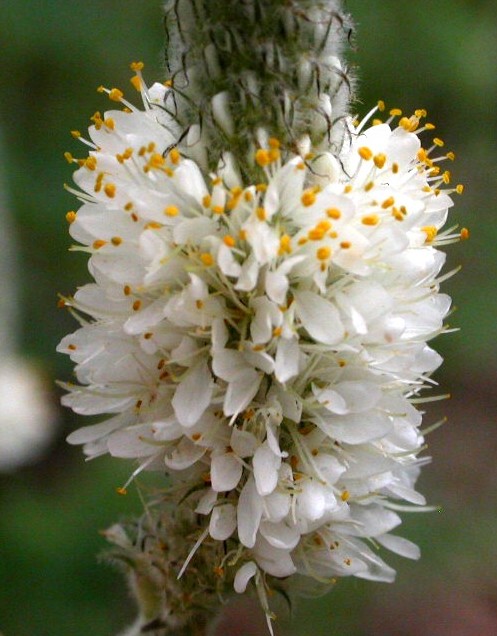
(270, 338)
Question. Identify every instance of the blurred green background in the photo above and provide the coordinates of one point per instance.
(440, 56)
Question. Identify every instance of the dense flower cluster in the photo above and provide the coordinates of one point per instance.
(265, 343)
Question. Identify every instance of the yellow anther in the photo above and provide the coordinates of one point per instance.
(136, 81)
(316, 234)
(151, 146)
(451, 156)
(116, 95)
(171, 210)
(420, 113)
(421, 155)
(300, 166)
(206, 201)
(323, 253)
(261, 187)
(438, 142)
(76, 134)
(381, 105)
(388, 203)
(446, 177)
(379, 160)
(110, 190)
(308, 198)
(136, 66)
(430, 231)
(100, 89)
(324, 225)
(199, 304)
(285, 245)
(229, 240)
(91, 162)
(128, 206)
(121, 491)
(207, 259)
(277, 331)
(376, 121)
(217, 209)
(168, 83)
(345, 245)
(116, 240)
(126, 290)
(345, 496)
(365, 153)
(137, 305)
(348, 188)
(427, 188)
(260, 213)
(156, 160)
(274, 143)
(174, 156)
(153, 225)
(370, 219)
(333, 213)
(262, 157)
(430, 126)
(369, 186)
(109, 123)
(395, 112)
(242, 235)
(98, 244)
(196, 437)
(302, 241)
(68, 157)
(71, 216)
(395, 168)
(459, 188)
(464, 234)
(274, 154)
(397, 214)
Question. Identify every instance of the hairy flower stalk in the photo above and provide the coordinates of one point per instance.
(266, 283)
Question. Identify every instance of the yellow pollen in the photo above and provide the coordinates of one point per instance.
(365, 153)
(121, 491)
(242, 235)
(156, 160)
(370, 219)
(260, 213)
(116, 240)
(110, 190)
(395, 112)
(427, 188)
(300, 166)
(379, 160)
(446, 177)
(262, 157)
(430, 231)
(76, 134)
(136, 305)
(369, 186)
(459, 188)
(302, 241)
(248, 196)
(323, 253)
(207, 259)
(261, 187)
(229, 240)
(274, 143)
(381, 105)
(217, 209)
(397, 215)
(68, 157)
(316, 234)
(109, 123)
(116, 95)
(333, 213)
(277, 331)
(274, 154)
(308, 198)
(387, 203)
(345, 245)
(430, 126)
(376, 122)
(206, 201)
(71, 216)
(347, 189)
(285, 245)
(420, 113)
(345, 496)
(171, 210)
(464, 234)
(174, 156)
(128, 206)
(422, 156)
(438, 142)
(91, 162)
(151, 146)
(136, 66)
(98, 244)
(168, 83)
(451, 156)
(136, 82)
(434, 171)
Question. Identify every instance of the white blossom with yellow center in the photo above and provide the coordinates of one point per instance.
(266, 341)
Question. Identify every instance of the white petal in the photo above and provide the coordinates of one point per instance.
(206, 502)
(279, 535)
(222, 523)
(241, 391)
(287, 359)
(266, 465)
(249, 513)
(193, 395)
(243, 443)
(243, 576)
(226, 472)
(399, 545)
(184, 455)
(319, 317)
